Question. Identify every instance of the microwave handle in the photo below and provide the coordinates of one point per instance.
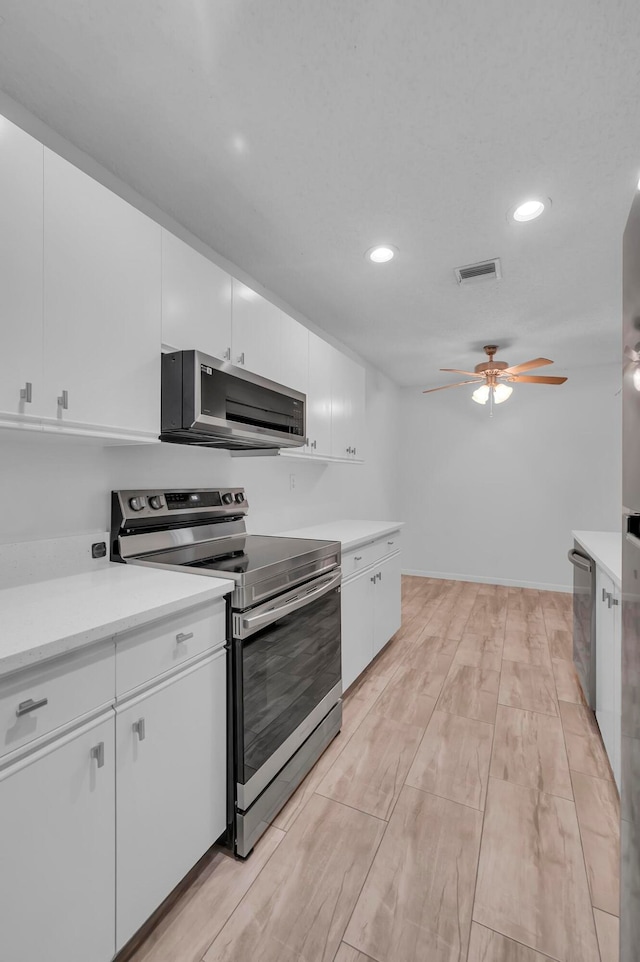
(254, 622)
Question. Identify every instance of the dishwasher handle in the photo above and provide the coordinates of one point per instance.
(580, 560)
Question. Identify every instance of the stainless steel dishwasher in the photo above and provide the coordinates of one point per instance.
(584, 621)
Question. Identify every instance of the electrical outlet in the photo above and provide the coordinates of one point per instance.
(292, 482)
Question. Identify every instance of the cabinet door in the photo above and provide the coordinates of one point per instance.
(57, 851)
(256, 327)
(294, 339)
(319, 395)
(170, 787)
(357, 627)
(102, 289)
(341, 413)
(196, 300)
(357, 427)
(387, 603)
(617, 693)
(20, 271)
(605, 661)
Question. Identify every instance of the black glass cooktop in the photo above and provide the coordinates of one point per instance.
(246, 554)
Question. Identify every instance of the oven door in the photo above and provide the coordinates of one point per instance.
(287, 677)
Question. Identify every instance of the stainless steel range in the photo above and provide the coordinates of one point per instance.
(283, 632)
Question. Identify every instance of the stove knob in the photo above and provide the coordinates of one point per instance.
(155, 502)
(137, 504)
(227, 497)
(239, 497)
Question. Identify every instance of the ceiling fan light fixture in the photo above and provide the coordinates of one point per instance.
(501, 392)
(481, 394)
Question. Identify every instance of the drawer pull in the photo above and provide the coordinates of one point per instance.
(379, 576)
(139, 729)
(373, 580)
(30, 705)
(26, 392)
(390, 542)
(184, 637)
(63, 401)
(97, 752)
(358, 557)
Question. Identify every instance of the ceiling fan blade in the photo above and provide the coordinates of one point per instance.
(528, 365)
(455, 370)
(445, 386)
(533, 379)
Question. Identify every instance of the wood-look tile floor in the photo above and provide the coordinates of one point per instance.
(465, 813)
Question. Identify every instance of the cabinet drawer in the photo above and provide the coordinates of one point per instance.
(368, 554)
(144, 654)
(54, 694)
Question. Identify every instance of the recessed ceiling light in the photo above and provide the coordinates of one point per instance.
(529, 210)
(380, 255)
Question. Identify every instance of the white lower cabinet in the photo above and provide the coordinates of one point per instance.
(371, 611)
(387, 602)
(608, 662)
(170, 786)
(57, 840)
(357, 637)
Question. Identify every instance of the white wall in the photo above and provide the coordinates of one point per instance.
(53, 487)
(496, 499)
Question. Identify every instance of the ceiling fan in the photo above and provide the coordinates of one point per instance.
(492, 376)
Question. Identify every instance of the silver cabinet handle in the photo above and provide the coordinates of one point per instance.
(26, 391)
(227, 354)
(604, 594)
(615, 601)
(390, 542)
(184, 637)
(97, 752)
(349, 451)
(313, 445)
(30, 705)
(139, 729)
(63, 400)
(354, 451)
(373, 580)
(358, 557)
(379, 576)
(240, 359)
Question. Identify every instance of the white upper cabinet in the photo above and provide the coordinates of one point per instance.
(347, 407)
(102, 283)
(20, 273)
(256, 333)
(196, 301)
(294, 339)
(321, 361)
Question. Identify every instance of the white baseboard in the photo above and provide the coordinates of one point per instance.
(481, 579)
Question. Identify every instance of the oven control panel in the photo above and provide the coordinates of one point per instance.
(154, 505)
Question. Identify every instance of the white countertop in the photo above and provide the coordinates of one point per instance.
(605, 547)
(48, 618)
(351, 534)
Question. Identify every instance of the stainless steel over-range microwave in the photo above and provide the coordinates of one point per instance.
(209, 402)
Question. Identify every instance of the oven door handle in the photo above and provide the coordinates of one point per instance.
(254, 622)
(579, 560)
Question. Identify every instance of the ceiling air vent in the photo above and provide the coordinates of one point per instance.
(484, 271)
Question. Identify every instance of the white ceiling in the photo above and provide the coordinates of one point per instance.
(292, 135)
